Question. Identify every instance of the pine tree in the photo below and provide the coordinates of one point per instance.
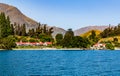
(50, 31)
(9, 30)
(15, 28)
(67, 41)
(5, 28)
(3, 25)
(45, 28)
(19, 30)
(23, 28)
(31, 33)
(12, 29)
(59, 38)
(93, 35)
(38, 30)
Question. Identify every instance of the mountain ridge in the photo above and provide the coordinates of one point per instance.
(83, 30)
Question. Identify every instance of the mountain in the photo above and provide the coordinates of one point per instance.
(17, 16)
(83, 30)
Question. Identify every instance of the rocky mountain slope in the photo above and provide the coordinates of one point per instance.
(17, 16)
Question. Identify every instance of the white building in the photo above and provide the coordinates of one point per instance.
(98, 46)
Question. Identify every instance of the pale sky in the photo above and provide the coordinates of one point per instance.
(70, 13)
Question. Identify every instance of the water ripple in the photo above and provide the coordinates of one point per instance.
(60, 63)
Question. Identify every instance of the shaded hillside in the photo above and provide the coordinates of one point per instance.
(89, 33)
(88, 28)
(17, 16)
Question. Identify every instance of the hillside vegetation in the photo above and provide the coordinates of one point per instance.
(111, 39)
(87, 34)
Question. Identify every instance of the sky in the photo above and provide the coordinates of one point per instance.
(70, 13)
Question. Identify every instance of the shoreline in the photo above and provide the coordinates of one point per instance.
(47, 49)
(51, 49)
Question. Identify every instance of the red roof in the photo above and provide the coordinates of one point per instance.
(34, 43)
(49, 43)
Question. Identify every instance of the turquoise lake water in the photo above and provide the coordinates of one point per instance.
(60, 63)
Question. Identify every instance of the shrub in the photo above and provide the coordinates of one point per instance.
(7, 43)
(115, 40)
(32, 40)
(24, 39)
(110, 46)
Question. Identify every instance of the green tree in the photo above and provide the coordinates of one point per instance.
(31, 33)
(32, 40)
(7, 43)
(5, 28)
(80, 42)
(15, 28)
(12, 29)
(45, 28)
(67, 41)
(9, 28)
(23, 30)
(110, 46)
(93, 35)
(45, 38)
(110, 31)
(38, 30)
(50, 31)
(24, 39)
(19, 30)
(59, 38)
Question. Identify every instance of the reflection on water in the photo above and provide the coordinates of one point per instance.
(59, 63)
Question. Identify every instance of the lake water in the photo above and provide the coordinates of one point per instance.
(59, 63)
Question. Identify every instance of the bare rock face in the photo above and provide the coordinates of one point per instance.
(16, 16)
(88, 28)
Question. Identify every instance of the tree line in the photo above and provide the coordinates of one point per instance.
(42, 32)
(111, 31)
(71, 41)
(6, 41)
(5, 26)
(8, 32)
(20, 30)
